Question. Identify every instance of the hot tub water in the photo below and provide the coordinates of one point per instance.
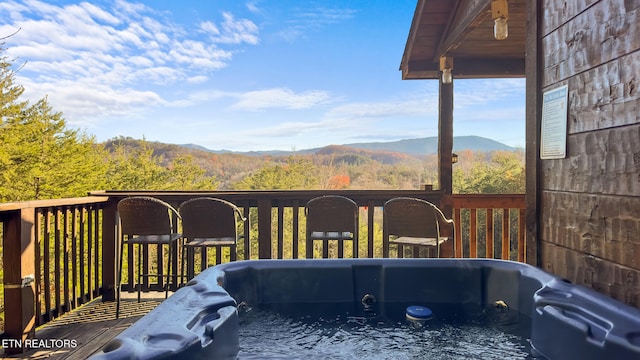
(272, 335)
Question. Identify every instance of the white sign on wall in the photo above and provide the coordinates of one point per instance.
(553, 134)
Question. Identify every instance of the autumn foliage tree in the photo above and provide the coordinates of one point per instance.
(338, 182)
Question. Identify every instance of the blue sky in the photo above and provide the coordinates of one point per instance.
(242, 75)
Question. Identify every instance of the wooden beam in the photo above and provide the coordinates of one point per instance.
(19, 266)
(467, 68)
(420, 70)
(469, 14)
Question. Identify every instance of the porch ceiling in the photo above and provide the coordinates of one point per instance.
(463, 29)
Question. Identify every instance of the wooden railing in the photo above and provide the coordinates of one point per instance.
(51, 259)
(495, 221)
(68, 247)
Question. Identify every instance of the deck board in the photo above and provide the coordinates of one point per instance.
(91, 326)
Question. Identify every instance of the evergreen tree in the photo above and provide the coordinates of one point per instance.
(136, 169)
(40, 158)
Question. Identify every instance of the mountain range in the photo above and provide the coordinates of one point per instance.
(419, 146)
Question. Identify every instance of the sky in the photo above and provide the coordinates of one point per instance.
(242, 75)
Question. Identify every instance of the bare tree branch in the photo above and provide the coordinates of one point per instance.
(10, 35)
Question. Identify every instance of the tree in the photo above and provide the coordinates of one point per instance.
(296, 174)
(499, 172)
(136, 169)
(338, 182)
(185, 174)
(40, 158)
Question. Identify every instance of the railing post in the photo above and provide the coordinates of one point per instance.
(109, 251)
(264, 229)
(19, 279)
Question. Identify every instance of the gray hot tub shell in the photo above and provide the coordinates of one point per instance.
(201, 321)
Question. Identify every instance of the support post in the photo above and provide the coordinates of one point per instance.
(19, 278)
(533, 108)
(445, 145)
(445, 149)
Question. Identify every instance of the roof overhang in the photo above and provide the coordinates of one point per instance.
(463, 30)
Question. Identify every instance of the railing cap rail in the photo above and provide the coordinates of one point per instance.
(32, 204)
(362, 197)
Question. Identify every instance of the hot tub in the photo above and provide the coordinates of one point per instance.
(201, 320)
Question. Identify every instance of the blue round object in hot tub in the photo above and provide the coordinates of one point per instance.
(417, 312)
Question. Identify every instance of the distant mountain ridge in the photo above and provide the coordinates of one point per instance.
(419, 146)
(429, 145)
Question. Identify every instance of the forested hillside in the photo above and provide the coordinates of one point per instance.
(42, 158)
(341, 167)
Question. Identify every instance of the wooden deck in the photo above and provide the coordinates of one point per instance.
(90, 327)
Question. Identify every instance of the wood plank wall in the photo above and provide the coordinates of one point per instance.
(590, 201)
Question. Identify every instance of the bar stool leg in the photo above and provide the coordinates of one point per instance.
(355, 247)
(183, 274)
(309, 248)
(166, 285)
(139, 284)
(119, 280)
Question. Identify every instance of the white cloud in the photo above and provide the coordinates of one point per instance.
(302, 20)
(233, 31)
(380, 109)
(87, 103)
(210, 28)
(476, 92)
(322, 15)
(280, 98)
(288, 129)
(252, 6)
(356, 119)
(198, 79)
(116, 58)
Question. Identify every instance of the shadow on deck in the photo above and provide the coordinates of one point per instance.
(80, 333)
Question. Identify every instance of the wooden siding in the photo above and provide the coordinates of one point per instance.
(590, 200)
(606, 31)
(603, 162)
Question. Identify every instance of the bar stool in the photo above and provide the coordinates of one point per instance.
(208, 222)
(413, 222)
(331, 217)
(143, 221)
